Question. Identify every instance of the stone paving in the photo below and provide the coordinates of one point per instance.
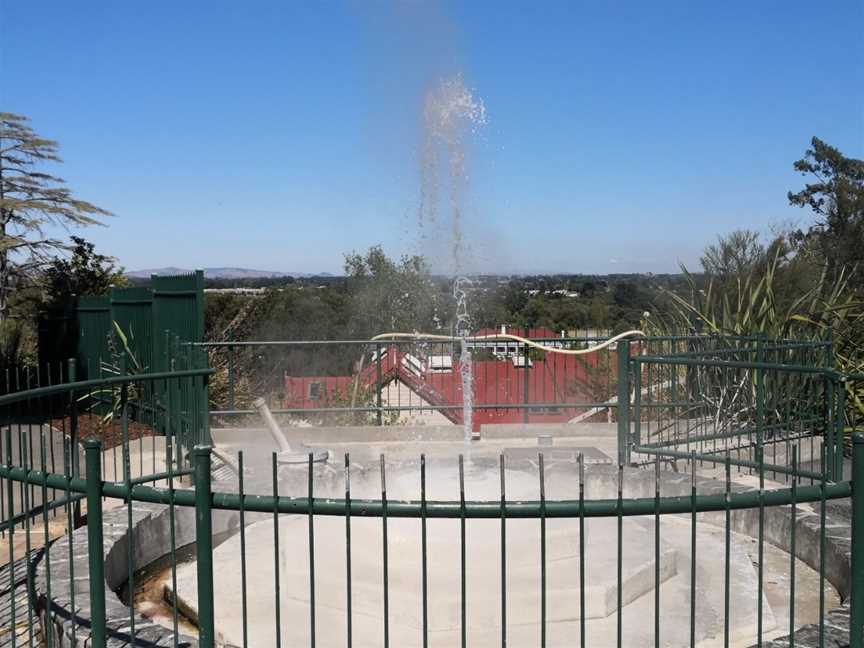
(18, 626)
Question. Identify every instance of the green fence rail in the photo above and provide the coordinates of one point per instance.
(339, 382)
(751, 405)
(743, 407)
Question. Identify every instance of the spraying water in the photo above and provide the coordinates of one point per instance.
(451, 114)
(466, 371)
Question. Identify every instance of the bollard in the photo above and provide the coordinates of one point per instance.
(856, 623)
(96, 558)
(204, 545)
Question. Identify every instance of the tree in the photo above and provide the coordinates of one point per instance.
(30, 200)
(388, 296)
(837, 198)
(733, 255)
(630, 301)
(84, 273)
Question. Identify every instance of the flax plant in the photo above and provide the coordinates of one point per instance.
(736, 313)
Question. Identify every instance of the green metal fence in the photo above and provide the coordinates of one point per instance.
(170, 303)
(157, 321)
(357, 378)
(363, 378)
(784, 405)
(742, 407)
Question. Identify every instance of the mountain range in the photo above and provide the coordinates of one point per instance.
(223, 273)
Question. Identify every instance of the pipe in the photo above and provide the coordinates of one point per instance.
(517, 338)
(275, 431)
(287, 454)
(227, 459)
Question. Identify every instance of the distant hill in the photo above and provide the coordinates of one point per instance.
(223, 273)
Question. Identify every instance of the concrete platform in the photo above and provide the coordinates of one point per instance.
(483, 585)
(484, 576)
(553, 454)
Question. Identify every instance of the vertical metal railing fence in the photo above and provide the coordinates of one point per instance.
(754, 409)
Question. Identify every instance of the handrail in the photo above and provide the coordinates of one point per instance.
(440, 508)
(739, 364)
(425, 338)
(84, 385)
(383, 341)
(773, 346)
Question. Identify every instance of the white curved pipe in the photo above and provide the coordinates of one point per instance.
(275, 431)
(517, 338)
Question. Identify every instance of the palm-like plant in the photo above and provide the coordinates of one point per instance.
(753, 305)
(122, 361)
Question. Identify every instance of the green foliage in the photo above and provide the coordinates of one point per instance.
(85, 272)
(630, 301)
(122, 361)
(781, 296)
(385, 295)
(733, 255)
(226, 315)
(751, 304)
(17, 347)
(122, 358)
(837, 198)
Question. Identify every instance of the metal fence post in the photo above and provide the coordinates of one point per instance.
(96, 558)
(231, 369)
(204, 545)
(760, 396)
(203, 362)
(72, 376)
(829, 348)
(839, 425)
(74, 459)
(378, 378)
(856, 624)
(828, 435)
(637, 405)
(526, 383)
(623, 352)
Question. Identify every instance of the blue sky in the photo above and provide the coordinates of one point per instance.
(279, 135)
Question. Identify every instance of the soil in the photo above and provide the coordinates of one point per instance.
(110, 433)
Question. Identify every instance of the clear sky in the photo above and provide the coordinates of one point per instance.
(621, 136)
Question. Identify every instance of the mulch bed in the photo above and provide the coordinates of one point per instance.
(111, 434)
